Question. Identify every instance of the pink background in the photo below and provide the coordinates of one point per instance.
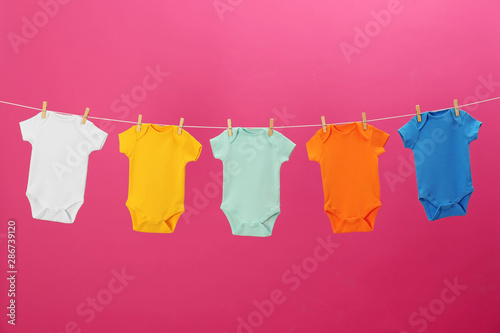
(254, 62)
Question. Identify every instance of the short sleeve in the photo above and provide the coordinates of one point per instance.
(283, 145)
(191, 149)
(29, 128)
(378, 140)
(96, 136)
(127, 140)
(409, 133)
(315, 147)
(220, 145)
(470, 126)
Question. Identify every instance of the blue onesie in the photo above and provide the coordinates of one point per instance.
(251, 188)
(440, 144)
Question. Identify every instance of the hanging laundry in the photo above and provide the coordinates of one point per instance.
(348, 157)
(158, 156)
(440, 144)
(251, 189)
(61, 146)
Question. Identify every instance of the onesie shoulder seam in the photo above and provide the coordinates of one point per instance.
(463, 130)
(229, 146)
(416, 138)
(36, 130)
(182, 140)
(322, 144)
(134, 144)
(275, 147)
(38, 123)
(370, 140)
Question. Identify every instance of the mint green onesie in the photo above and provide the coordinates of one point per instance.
(251, 189)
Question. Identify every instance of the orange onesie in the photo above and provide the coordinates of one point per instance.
(348, 156)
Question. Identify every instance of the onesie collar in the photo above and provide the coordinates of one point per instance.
(160, 129)
(425, 116)
(61, 117)
(145, 128)
(331, 128)
(249, 131)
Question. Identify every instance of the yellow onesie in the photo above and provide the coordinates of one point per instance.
(158, 158)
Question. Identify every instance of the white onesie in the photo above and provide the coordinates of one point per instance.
(58, 169)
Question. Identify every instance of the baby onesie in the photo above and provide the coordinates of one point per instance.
(440, 144)
(157, 167)
(348, 157)
(251, 188)
(61, 145)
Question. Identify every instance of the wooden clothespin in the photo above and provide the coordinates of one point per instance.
(181, 123)
(363, 115)
(229, 127)
(44, 110)
(85, 115)
(419, 115)
(139, 123)
(323, 123)
(457, 111)
(271, 126)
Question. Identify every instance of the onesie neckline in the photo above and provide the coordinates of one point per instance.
(438, 114)
(252, 131)
(63, 117)
(336, 128)
(160, 129)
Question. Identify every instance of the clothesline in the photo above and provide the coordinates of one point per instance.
(224, 127)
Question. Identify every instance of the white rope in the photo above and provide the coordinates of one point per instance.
(221, 127)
